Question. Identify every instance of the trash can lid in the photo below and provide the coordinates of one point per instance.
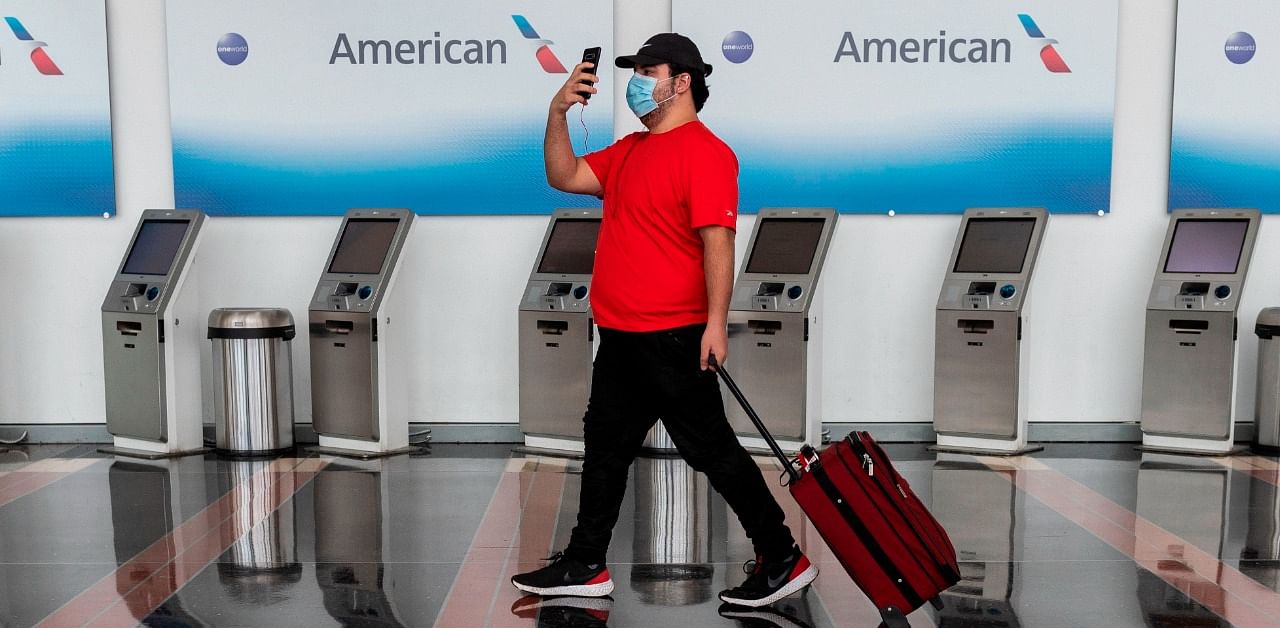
(1268, 325)
(1269, 316)
(250, 317)
(251, 322)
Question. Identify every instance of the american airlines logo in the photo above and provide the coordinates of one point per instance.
(947, 48)
(1048, 54)
(39, 57)
(546, 58)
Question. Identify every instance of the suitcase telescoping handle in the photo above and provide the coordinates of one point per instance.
(755, 418)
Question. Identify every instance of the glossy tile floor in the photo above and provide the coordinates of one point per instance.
(1076, 535)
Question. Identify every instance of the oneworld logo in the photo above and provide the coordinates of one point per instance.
(1240, 47)
(546, 58)
(39, 57)
(233, 49)
(737, 47)
(1048, 54)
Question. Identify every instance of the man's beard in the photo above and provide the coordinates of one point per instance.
(655, 117)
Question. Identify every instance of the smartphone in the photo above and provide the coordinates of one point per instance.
(592, 56)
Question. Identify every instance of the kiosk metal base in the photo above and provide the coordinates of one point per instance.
(979, 446)
(1234, 451)
(548, 453)
(360, 454)
(1189, 446)
(559, 446)
(143, 454)
(979, 451)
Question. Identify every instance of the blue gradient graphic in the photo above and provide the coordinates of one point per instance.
(1062, 166)
(494, 171)
(1208, 173)
(60, 168)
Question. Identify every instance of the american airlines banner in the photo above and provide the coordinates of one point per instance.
(55, 109)
(871, 106)
(1225, 149)
(298, 107)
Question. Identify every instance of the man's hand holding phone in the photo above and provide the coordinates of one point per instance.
(581, 84)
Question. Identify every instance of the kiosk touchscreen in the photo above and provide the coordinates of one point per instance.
(359, 357)
(151, 360)
(1189, 359)
(775, 339)
(557, 335)
(980, 374)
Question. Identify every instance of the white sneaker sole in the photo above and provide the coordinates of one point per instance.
(801, 581)
(582, 590)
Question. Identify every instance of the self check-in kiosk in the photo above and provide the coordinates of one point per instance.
(1189, 359)
(979, 371)
(557, 334)
(775, 337)
(151, 337)
(359, 355)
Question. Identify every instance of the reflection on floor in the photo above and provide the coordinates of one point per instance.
(1076, 535)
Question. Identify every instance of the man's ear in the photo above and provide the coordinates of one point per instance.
(684, 83)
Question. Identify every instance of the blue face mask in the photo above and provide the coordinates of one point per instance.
(640, 94)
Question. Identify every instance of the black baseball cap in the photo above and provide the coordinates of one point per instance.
(666, 48)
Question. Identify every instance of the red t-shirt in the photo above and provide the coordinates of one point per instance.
(658, 190)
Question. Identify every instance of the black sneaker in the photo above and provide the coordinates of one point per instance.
(566, 576)
(767, 583)
(564, 612)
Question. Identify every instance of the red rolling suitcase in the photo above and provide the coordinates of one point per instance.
(885, 538)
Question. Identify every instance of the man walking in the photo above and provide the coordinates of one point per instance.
(660, 295)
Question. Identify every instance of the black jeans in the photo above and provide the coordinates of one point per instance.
(637, 379)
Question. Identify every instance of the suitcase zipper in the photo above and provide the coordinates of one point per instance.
(914, 524)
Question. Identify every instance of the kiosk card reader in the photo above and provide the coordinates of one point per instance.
(979, 371)
(557, 334)
(775, 337)
(359, 356)
(151, 361)
(1189, 359)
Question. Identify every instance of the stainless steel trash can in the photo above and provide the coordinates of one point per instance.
(1266, 412)
(253, 372)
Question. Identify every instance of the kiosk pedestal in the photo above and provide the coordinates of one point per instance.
(775, 335)
(151, 359)
(1189, 357)
(357, 328)
(557, 334)
(980, 372)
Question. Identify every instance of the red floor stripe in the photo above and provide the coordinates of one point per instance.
(519, 523)
(1196, 573)
(537, 532)
(39, 474)
(140, 585)
(1261, 468)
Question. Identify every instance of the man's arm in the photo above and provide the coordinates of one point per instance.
(565, 171)
(717, 265)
